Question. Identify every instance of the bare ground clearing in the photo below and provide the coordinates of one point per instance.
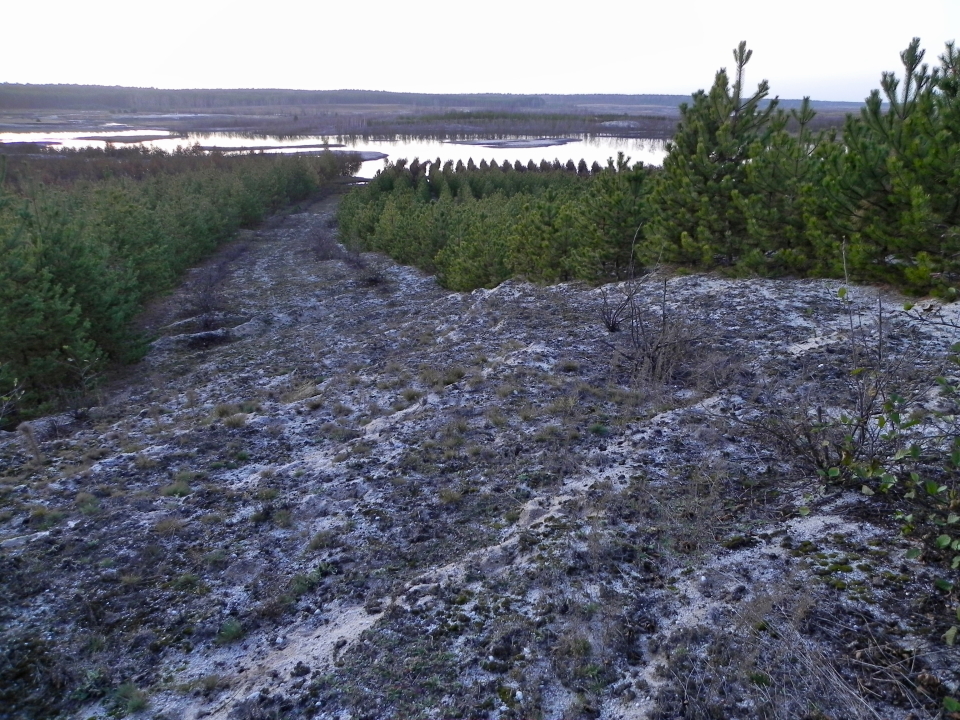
(336, 490)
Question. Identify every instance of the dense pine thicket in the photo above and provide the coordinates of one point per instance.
(745, 186)
(478, 225)
(86, 237)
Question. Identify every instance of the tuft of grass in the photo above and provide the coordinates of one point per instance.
(44, 518)
(188, 582)
(429, 375)
(304, 391)
(230, 631)
(95, 454)
(224, 410)
(144, 462)
(411, 395)
(216, 559)
(528, 412)
(496, 417)
(548, 433)
(206, 685)
(337, 432)
(178, 488)
(361, 449)
(450, 496)
(212, 683)
(453, 374)
(87, 503)
(506, 389)
(235, 421)
(128, 699)
(565, 405)
(169, 526)
(325, 539)
(458, 426)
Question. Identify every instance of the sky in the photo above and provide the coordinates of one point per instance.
(827, 49)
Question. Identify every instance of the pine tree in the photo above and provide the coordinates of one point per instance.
(416, 170)
(547, 243)
(782, 175)
(615, 210)
(43, 335)
(892, 193)
(697, 219)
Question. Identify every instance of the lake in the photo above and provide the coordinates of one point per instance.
(590, 148)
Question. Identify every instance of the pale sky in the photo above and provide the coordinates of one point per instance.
(828, 49)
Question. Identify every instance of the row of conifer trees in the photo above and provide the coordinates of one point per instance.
(745, 187)
(86, 238)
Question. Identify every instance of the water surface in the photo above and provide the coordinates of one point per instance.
(590, 148)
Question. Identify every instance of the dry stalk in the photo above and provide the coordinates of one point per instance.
(30, 438)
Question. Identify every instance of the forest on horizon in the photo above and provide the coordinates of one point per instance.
(14, 96)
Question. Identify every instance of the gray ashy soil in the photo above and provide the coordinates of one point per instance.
(334, 489)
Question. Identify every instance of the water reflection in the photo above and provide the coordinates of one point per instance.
(590, 148)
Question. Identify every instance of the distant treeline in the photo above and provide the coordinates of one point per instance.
(97, 97)
(374, 114)
(746, 187)
(86, 237)
(14, 96)
(675, 100)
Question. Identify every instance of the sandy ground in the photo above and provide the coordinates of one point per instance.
(334, 489)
